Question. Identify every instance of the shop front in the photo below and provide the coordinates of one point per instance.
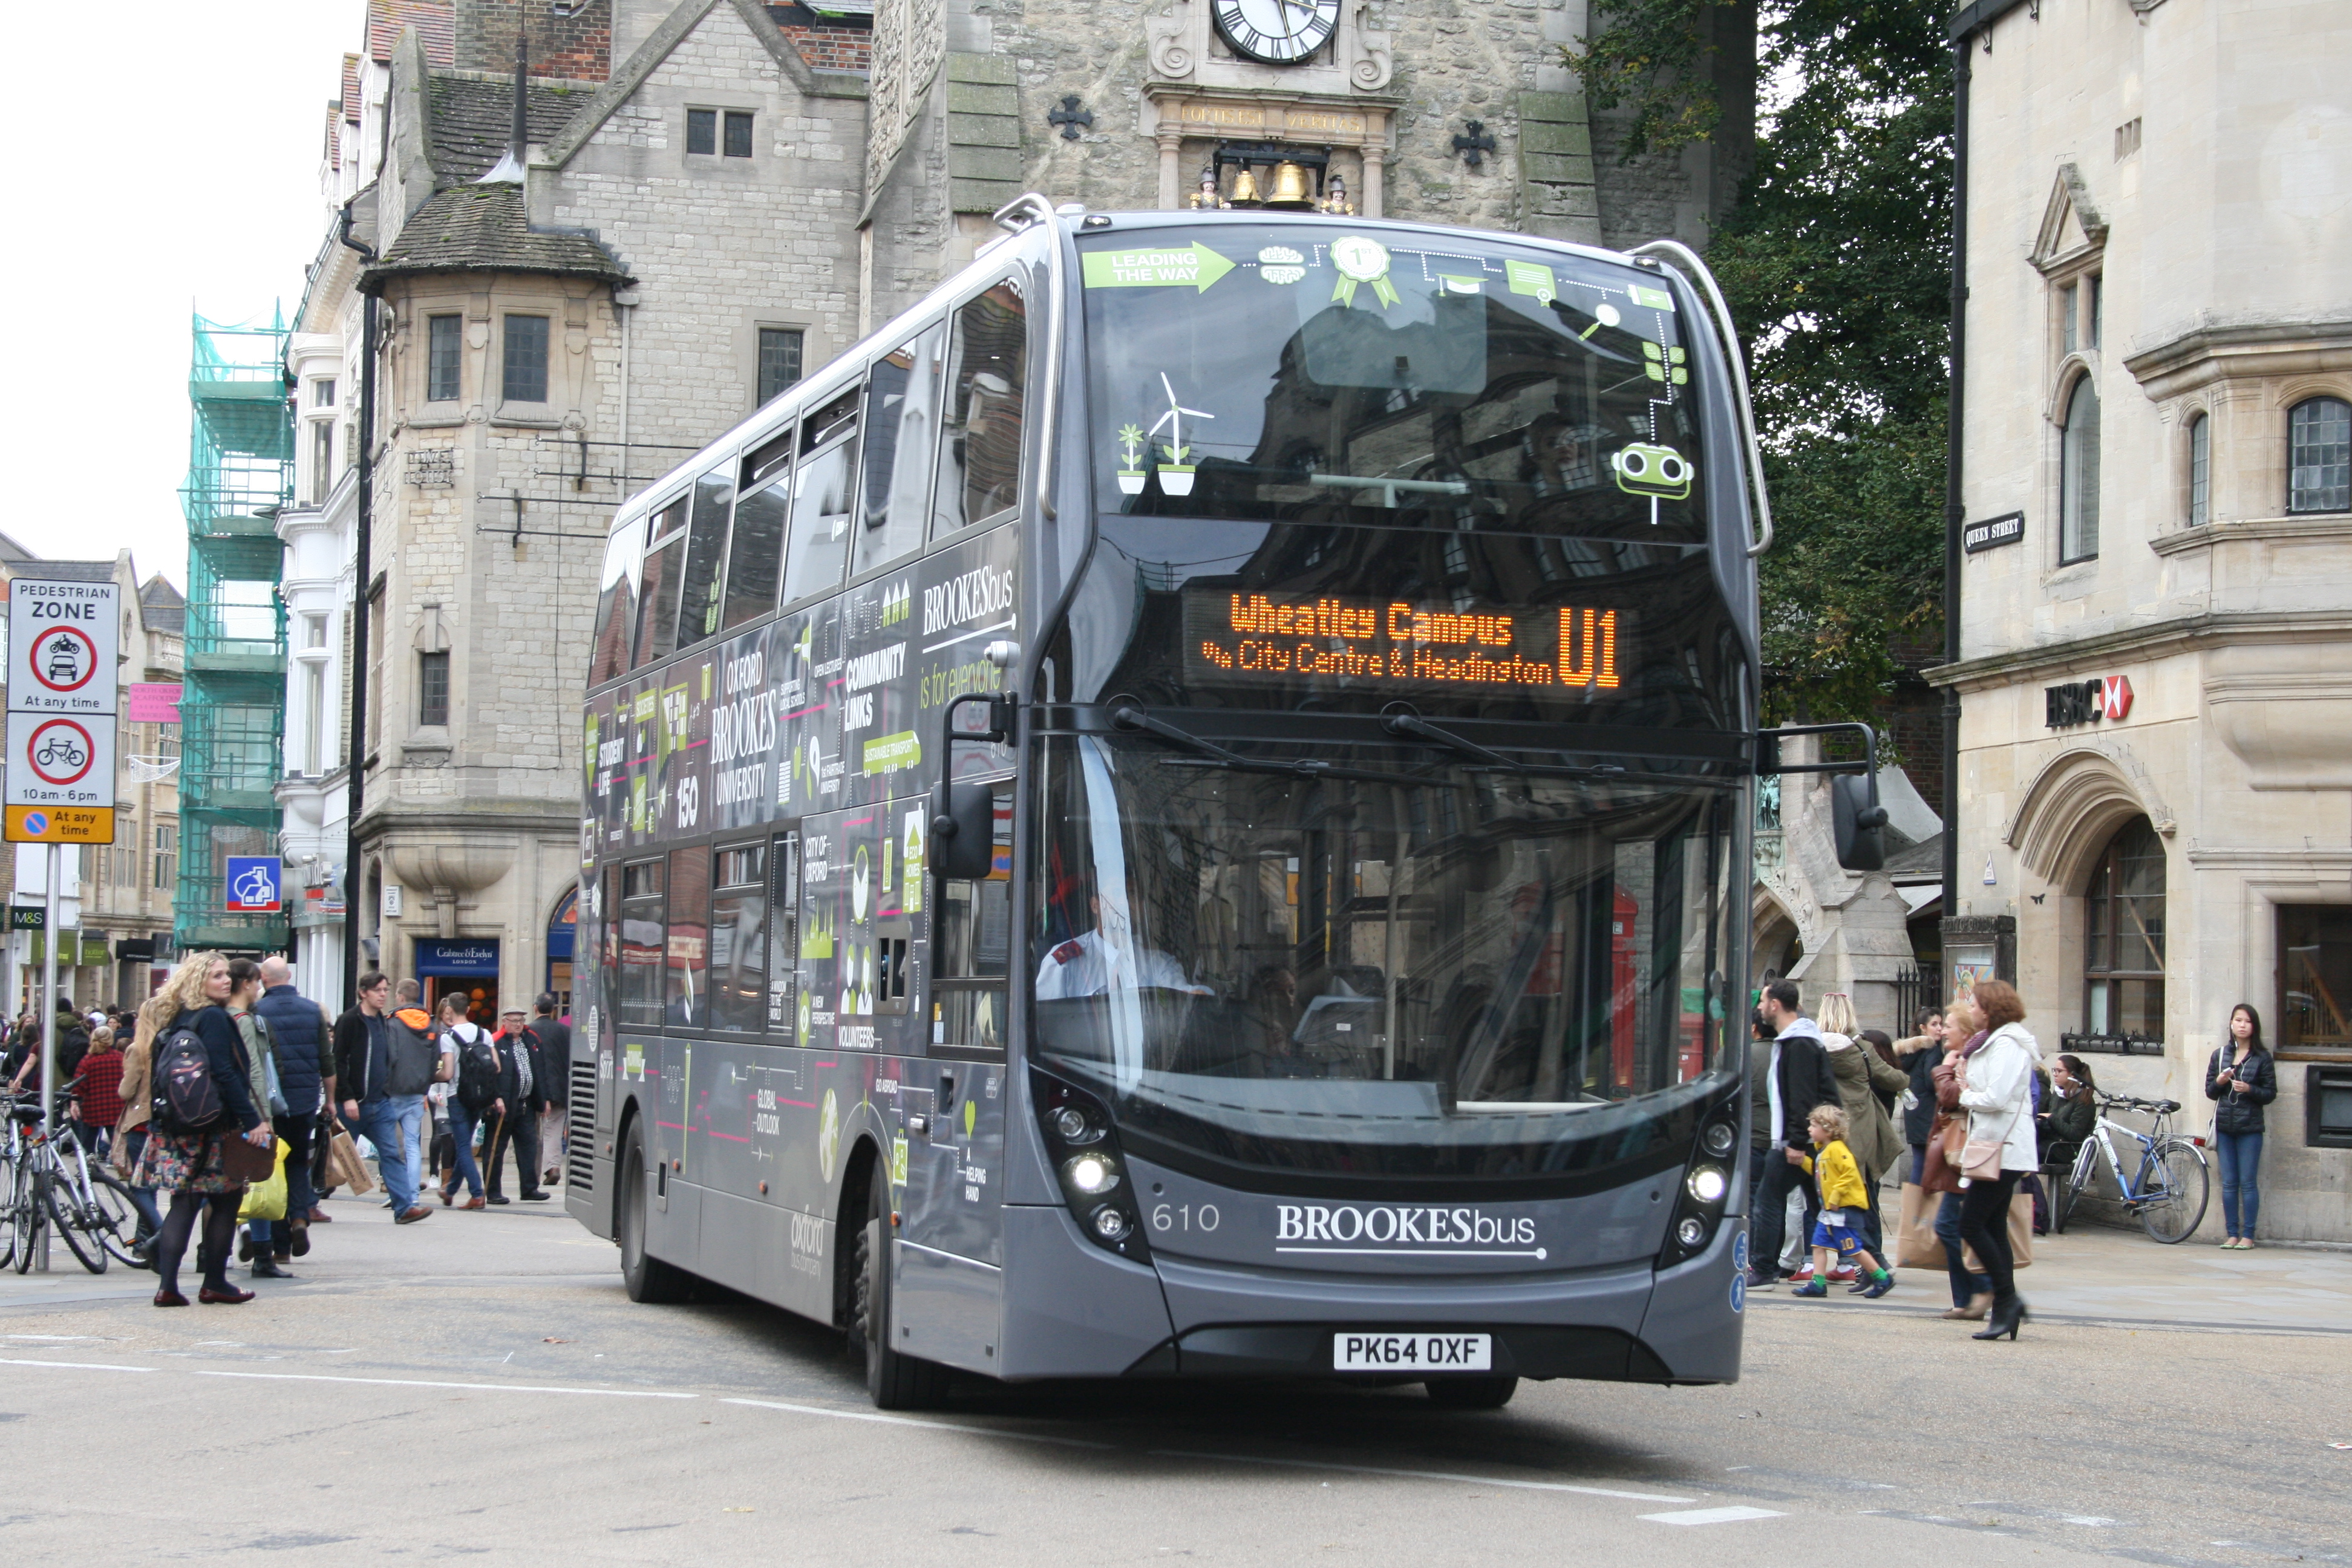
(467, 966)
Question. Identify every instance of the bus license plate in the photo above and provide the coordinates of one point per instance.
(1411, 1352)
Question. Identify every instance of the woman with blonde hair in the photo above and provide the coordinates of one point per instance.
(192, 1165)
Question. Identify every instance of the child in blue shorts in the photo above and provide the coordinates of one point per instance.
(1842, 1190)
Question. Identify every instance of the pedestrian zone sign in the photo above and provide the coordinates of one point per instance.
(62, 691)
(253, 884)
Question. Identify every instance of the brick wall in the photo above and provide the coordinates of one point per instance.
(831, 48)
(578, 48)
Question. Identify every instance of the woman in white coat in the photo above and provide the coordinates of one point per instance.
(1997, 1091)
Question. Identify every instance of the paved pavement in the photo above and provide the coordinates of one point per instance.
(478, 1385)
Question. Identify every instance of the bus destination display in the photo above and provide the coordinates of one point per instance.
(1267, 638)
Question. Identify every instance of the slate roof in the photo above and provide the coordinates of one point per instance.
(163, 606)
(76, 571)
(486, 228)
(435, 22)
(473, 118)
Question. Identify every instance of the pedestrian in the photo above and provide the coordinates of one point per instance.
(473, 1098)
(300, 1034)
(1996, 1086)
(73, 1040)
(382, 1091)
(1920, 1053)
(516, 1115)
(264, 1243)
(554, 1037)
(192, 1166)
(1871, 1138)
(97, 1101)
(1963, 1032)
(130, 1128)
(2241, 1080)
(1843, 1194)
(1797, 1080)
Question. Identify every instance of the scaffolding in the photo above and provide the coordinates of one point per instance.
(233, 711)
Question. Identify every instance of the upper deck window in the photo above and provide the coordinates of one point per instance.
(988, 376)
(1307, 372)
(822, 483)
(658, 594)
(902, 409)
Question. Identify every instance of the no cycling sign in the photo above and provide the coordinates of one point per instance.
(63, 649)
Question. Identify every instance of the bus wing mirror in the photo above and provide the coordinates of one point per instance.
(1858, 821)
(963, 831)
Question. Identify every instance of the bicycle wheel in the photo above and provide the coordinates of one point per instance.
(7, 1214)
(25, 1210)
(66, 1212)
(117, 1217)
(2179, 1191)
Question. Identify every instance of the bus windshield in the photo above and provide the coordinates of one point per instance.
(1405, 969)
(1309, 371)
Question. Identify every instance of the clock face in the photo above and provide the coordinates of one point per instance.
(1279, 32)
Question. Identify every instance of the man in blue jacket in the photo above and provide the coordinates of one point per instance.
(301, 1036)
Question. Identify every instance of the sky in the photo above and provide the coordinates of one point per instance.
(190, 182)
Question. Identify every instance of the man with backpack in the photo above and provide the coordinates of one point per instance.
(301, 1036)
(476, 1101)
(384, 1064)
(521, 1075)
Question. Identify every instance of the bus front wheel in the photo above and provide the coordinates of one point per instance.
(896, 1381)
(647, 1277)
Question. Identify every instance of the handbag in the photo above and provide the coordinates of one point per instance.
(266, 1199)
(346, 1167)
(241, 1161)
(1916, 1245)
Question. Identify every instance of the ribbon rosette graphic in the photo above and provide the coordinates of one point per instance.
(1363, 260)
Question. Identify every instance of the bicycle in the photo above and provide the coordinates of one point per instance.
(49, 1182)
(2169, 1190)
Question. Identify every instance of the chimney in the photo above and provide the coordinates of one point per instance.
(570, 38)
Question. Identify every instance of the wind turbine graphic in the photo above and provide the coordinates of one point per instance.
(1176, 474)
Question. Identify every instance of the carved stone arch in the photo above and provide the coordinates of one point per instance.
(2073, 371)
(1772, 926)
(2076, 804)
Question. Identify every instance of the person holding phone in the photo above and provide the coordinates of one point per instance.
(2241, 1080)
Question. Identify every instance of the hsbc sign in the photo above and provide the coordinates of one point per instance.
(2087, 702)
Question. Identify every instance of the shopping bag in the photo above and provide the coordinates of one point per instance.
(1916, 1245)
(267, 1199)
(345, 1168)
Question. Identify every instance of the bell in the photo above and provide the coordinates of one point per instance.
(1245, 188)
(1290, 188)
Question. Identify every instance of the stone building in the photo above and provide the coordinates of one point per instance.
(2155, 670)
(115, 900)
(711, 197)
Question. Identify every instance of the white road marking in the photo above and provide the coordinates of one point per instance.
(76, 1365)
(912, 1421)
(1418, 1475)
(57, 1339)
(425, 1383)
(1713, 1515)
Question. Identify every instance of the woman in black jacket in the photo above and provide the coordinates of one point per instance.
(190, 1166)
(2242, 1079)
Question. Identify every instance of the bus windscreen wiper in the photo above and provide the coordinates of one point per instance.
(1132, 718)
(1414, 724)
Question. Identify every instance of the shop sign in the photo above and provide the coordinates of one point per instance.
(457, 960)
(2087, 702)
(1993, 532)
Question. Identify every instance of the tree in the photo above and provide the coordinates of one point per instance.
(1836, 263)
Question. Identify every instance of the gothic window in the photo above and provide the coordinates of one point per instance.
(2122, 966)
(2319, 456)
(2078, 475)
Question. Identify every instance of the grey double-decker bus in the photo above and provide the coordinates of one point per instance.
(1183, 811)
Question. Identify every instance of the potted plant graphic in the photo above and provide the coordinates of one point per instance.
(1130, 459)
(1176, 473)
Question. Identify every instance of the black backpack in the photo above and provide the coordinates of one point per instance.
(478, 1069)
(185, 1099)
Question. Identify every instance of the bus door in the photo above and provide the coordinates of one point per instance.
(953, 1198)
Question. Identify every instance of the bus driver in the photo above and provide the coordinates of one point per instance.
(1093, 963)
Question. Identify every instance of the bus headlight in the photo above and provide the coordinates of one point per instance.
(1090, 1175)
(1707, 1183)
(1706, 1186)
(1083, 1146)
(1691, 1232)
(1718, 1138)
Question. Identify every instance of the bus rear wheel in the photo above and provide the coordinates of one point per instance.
(1471, 1393)
(895, 1380)
(645, 1278)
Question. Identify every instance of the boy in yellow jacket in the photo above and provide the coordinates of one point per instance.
(1841, 1183)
